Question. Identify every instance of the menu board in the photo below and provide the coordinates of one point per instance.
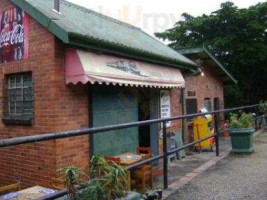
(165, 105)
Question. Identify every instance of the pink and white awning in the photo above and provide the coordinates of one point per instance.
(87, 67)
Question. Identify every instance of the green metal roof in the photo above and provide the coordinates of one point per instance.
(219, 68)
(78, 26)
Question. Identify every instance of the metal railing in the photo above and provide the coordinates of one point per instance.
(90, 131)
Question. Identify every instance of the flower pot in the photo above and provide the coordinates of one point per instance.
(242, 140)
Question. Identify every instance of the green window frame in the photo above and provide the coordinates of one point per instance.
(19, 106)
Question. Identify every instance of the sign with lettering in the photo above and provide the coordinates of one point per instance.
(165, 104)
(14, 35)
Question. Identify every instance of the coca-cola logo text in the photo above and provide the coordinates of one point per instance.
(12, 37)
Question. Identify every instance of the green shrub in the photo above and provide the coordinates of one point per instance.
(263, 107)
(244, 121)
(108, 181)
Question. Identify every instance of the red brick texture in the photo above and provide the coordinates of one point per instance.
(57, 108)
(176, 109)
(208, 86)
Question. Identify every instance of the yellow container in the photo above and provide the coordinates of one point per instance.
(203, 128)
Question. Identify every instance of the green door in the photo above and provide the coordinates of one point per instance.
(110, 106)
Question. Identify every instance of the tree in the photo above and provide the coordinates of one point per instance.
(238, 38)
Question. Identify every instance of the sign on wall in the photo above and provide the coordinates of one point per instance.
(165, 105)
(14, 35)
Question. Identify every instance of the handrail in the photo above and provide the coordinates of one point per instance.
(88, 131)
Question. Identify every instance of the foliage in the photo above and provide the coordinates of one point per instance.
(244, 121)
(107, 181)
(263, 107)
(237, 37)
(72, 176)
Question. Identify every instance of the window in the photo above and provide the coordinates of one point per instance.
(18, 108)
(191, 106)
(208, 104)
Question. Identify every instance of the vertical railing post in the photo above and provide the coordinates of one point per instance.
(256, 121)
(216, 134)
(165, 160)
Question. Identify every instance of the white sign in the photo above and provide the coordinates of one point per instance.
(165, 105)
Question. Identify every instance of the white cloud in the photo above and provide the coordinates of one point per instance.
(155, 16)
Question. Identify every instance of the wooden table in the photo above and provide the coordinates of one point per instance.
(28, 194)
(129, 158)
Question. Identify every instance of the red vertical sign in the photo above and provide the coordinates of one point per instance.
(14, 35)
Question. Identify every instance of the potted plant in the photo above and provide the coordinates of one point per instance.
(263, 109)
(241, 133)
(107, 181)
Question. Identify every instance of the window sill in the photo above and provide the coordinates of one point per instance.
(18, 120)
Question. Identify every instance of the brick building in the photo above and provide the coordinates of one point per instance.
(73, 68)
(206, 90)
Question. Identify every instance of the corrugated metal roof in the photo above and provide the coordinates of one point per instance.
(219, 66)
(80, 26)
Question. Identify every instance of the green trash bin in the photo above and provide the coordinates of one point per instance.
(242, 140)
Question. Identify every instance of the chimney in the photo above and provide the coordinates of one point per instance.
(57, 6)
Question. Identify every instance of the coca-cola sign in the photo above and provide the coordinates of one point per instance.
(14, 35)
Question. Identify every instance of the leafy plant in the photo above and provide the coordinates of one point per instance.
(108, 181)
(237, 37)
(244, 121)
(263, 107)
(72, 176)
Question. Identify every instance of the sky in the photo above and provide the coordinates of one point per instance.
(156, 15)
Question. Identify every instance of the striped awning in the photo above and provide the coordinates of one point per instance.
(87, 67)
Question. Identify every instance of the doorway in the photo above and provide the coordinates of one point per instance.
(216, 104)
(144, 114)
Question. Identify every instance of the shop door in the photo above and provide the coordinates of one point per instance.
(216, 104)
(154, 114)
(110, 106)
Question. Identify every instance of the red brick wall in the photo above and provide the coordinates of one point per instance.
(176, 109)
(208, 86)
(57, 108)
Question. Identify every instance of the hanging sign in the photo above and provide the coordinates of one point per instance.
(165, 105)
(14, 35)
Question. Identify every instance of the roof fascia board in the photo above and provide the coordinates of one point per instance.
(191, 50)
(103, 46)
(45, 21)
(220, 65)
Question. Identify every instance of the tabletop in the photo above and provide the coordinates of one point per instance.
(28, 194)
(129, 158)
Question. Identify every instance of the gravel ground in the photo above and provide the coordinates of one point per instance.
(237, 177)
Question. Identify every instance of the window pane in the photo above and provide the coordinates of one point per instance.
(27, 94)
(28, 107)
(20, 94)
(12, 107)
(18, 82)
(12, 82)
(19, 107)
(27, 81)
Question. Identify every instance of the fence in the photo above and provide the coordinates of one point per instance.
(164, 156)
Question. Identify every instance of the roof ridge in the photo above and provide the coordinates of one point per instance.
(99, 14)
